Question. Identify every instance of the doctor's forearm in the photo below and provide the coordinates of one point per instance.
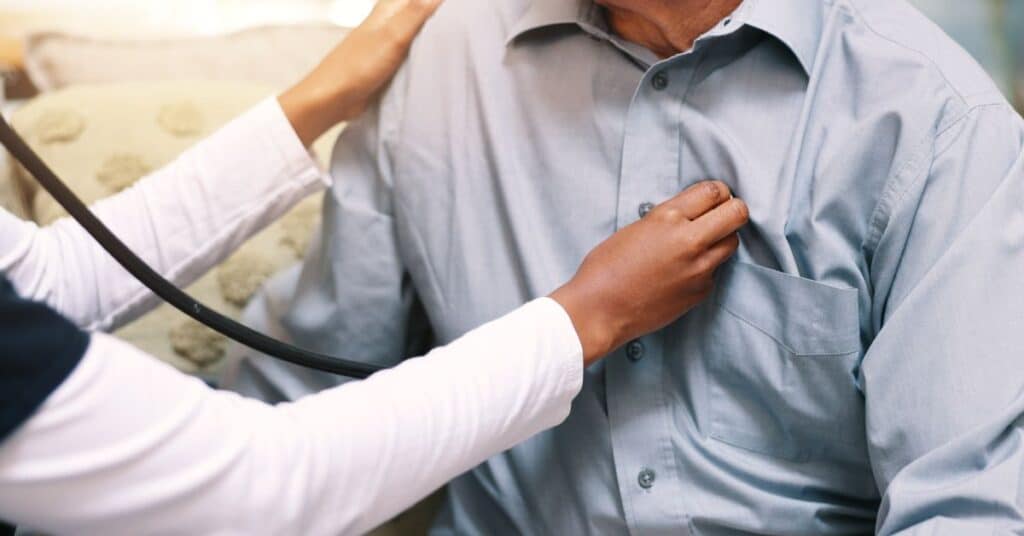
(127, 445)
(433, 418)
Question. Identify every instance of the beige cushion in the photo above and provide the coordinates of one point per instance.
(102, 138)
(274, 55)
(10, 199)
(10, 194)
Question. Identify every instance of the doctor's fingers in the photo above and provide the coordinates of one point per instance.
(720, 222)
(694, 201)
(721, 251)
(402, 19)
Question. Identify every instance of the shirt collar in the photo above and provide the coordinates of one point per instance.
(545, 13)
(795, 23)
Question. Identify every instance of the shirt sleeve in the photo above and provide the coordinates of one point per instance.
(27, 331)
(182, 219)
(943, 377)
(129, 446)
(352, 294)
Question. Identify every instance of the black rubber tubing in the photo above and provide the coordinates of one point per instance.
(161, 286)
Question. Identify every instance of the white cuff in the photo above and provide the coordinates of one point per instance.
(564, 336)
(299, 161)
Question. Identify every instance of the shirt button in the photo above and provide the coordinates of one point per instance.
(660, 81)
(646, 478)
(635, 351)
(645, 209)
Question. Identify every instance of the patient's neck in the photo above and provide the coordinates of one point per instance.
(665, 27)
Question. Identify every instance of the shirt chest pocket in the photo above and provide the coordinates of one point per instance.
(782, 353)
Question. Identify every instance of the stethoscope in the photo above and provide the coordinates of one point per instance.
(162, 287)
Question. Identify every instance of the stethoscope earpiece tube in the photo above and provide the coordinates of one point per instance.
(160, 286)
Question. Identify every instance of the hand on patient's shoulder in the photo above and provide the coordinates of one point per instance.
(349, 78)
(652, 272)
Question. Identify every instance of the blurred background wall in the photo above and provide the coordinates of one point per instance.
(991, 30)
(153, 19)
(118, 18)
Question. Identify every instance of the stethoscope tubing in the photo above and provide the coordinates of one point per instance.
(160, 286)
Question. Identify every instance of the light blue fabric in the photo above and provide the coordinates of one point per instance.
(975, 26)
(861, 364)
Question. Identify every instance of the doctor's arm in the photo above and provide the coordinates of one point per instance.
(190, 215)
(944, 378)
(127, 445)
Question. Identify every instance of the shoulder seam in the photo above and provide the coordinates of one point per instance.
(891, 197)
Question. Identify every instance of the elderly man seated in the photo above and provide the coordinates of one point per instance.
(858, 367)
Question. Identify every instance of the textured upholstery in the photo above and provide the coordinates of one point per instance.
(103, 138)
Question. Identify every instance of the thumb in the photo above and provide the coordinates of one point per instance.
(403, 18)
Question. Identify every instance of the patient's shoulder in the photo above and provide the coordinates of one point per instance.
(462, 44)
(472, 22)
(461, 38)
(917, 42)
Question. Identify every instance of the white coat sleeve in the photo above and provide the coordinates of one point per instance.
(129, 446)
(182, 219)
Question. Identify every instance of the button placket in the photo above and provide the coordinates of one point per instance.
(639, 415)
(642, 428)
(649, 169)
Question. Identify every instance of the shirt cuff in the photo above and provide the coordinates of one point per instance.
(268, 117)
(552, 317)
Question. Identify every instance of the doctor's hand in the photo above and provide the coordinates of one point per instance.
(650, 273)
(349, 78)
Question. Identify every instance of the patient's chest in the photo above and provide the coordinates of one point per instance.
(503, 209)
(506, 184)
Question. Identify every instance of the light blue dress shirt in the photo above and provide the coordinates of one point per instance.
(860, 366)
